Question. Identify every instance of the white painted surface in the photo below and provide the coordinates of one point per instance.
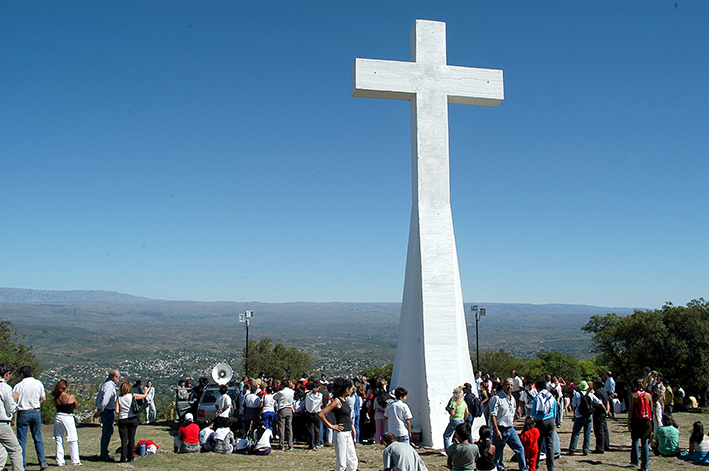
(432, 355)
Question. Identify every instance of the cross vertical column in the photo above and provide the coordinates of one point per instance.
(432, 355)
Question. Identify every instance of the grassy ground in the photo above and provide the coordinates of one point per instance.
(324, 458)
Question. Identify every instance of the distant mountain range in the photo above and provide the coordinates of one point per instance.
(87, 326)
(31, 296)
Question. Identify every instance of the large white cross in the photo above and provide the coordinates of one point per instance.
(432, 355)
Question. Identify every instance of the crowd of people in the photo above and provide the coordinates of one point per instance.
(267, 414)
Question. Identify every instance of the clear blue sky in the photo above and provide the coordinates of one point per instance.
(213, 151)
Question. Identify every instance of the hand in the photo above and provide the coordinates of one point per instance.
(498, 434)
(338, 427)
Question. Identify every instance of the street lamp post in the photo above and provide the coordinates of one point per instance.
(479, 312)
(244, 319)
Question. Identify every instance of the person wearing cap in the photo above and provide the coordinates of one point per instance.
(187, 439)
(582, 420)
(469, 397)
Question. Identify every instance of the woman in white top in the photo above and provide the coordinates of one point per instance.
(127, 419)
(698, 445)
(268, 411)
(263, 437)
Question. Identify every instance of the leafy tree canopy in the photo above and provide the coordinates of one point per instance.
(276, 361)
(673, 340)
(14, 352)
(383, 372)
(501, 363)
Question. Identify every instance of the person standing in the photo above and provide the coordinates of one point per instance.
(502, 414)
(128, 420)
(544, 411)
(64, 425)
(285, 400)
(640, 424)
(29, 394)
(313, 405)
(458, 411)
(517, 387)
(150, 410)
(106, 409)
(609, 386)
(345, 454)
(8, 440)
(583, 403)
(600, 418)
(222, 407)
(398, 415)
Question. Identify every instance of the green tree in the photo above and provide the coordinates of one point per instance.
(276, 361)
(383, 372)
(673, 340)
(14, 352)
(500, 363)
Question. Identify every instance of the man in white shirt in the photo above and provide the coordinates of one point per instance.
(502, 415)
(222, 407)
(284, 407)
(29, 394)
(8, 440)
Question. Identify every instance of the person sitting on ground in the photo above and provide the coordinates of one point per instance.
(224, 438)
(486, 460)
(206, 436)
(187, 439)
(698, 445)
(399, 456)
(666, 438)
(462, 454)
(262, 438)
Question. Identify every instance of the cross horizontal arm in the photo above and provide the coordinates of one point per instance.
(374, 78)
(402, 80)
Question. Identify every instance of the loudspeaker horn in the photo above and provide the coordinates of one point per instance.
(222, 373)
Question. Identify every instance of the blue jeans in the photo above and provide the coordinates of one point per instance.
(107, 418)
(509, 437)
(31, 419)
(579, 422)
(644, 452)
(450, 430)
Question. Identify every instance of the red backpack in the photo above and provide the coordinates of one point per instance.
(643, 409)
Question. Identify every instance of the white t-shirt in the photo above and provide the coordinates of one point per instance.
(252, 401)
(224, 403)
(397, 413)
(268, 403)
(204, 435)
(265, 440)
(30, 391)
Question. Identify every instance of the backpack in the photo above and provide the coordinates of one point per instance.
(585, 405)
(643, 409)
(476, 407)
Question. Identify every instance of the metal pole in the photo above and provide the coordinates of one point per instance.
(246, 363)
(474, 309)
(477, 340)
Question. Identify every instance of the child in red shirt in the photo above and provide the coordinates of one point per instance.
(530, 440)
